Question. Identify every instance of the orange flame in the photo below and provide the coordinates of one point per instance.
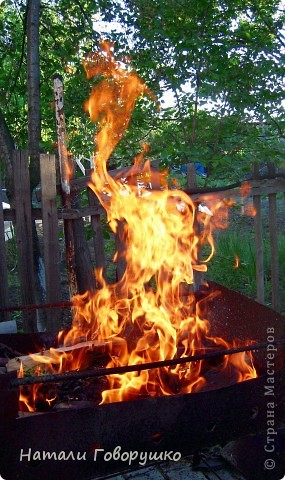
(245, 189)
(146, 316)
(250, 209)
(24, 397)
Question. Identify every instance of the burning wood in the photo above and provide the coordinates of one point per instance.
(53, 356)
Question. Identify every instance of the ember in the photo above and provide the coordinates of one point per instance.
(151, 314)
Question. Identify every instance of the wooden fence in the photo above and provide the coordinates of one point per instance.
(78, 259)
(53, 211)
(267, 189)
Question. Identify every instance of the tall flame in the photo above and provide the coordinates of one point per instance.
(151, 311)
(146, 309)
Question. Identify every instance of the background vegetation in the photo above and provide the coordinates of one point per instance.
(219, 64)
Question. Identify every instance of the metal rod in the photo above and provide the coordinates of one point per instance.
(36, 307)
(100, 372)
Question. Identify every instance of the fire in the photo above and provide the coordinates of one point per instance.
(248, 207)
(23, 397)
(151, 313)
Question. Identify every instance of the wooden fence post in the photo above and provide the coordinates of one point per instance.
(191, 176)
(79, 266)
(51, 242)
(98, 239)
(258, 241)
(274, 251)
(4, 294)
(84, 270)
(192, 184)
(23, 228)
(65, 174)
(120, 248)
(273, 235)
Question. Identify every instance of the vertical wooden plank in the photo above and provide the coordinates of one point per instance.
(79, 266)
(192, 184)
(4, 294)
(191, 176)
(84, 268)
(274, 252)
(66, 171)
(282, 171)
(120, 249)
(64, 164)
(24, 240)
(84, 271)
(51, 243)
(258, 242)
(70, 253)
(98, 239)
(273, 235)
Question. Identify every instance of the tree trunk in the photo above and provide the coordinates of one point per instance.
(34, 134)
(33, 81)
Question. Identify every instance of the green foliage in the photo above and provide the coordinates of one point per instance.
(221, 268)
(66, 35)
(223, 61)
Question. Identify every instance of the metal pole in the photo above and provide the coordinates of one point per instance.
(100, 372)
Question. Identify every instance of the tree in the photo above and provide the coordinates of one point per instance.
(222, 61)
(24, 40)
(222, 57)
(57, 23)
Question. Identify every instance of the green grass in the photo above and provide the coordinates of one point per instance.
(221, 268)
